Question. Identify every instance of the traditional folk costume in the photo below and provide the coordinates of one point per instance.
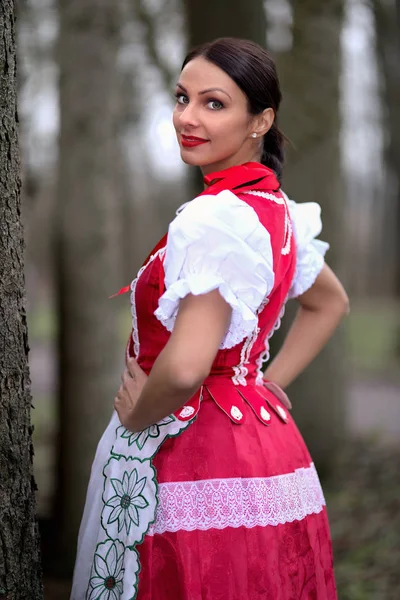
(220, 501)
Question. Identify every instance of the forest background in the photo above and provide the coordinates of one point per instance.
(101, 180)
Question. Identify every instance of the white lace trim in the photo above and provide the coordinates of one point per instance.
(236, 502)
(264, 356)
(243, 320)
(307, 225)
(288, 222)
(135, 332)
(240, 371)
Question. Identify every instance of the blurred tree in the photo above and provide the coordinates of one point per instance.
(20, 571)
(387, 18)
(150, 22)
(210, 19)
(310, 117)
(87, 246)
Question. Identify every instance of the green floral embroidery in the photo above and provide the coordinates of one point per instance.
(141, 437)
(127, 515)
(107, 583)
(127, 500)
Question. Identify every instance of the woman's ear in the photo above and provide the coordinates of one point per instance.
(263, 122)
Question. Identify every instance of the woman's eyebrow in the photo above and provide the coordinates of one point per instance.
(215, 89)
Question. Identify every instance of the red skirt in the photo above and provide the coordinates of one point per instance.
(240, 516)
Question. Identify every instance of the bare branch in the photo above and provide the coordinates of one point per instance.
(150, 38)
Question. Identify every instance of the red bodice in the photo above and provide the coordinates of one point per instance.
(239, 366)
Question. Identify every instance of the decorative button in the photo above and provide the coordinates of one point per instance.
(186, 411)
(281, 412)
(265, 414)
(236, 414)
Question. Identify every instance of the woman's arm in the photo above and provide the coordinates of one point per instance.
(184, 363)
(322, 308)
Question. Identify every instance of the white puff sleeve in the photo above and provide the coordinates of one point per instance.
(218, 242)
(307, 225)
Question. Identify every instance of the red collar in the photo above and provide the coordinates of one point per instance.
(251, 175)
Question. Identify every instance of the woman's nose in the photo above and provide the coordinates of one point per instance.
(189, 116)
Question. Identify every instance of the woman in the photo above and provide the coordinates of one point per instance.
(202, 487)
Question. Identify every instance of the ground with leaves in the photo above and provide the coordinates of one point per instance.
(364, 509)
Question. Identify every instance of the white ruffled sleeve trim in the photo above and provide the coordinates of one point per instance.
(307, 225)
(218, 242)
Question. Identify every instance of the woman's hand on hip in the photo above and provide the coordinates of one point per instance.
(133, 381)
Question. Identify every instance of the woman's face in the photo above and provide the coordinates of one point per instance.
(211, 119)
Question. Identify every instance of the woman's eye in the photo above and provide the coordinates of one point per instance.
(181, 98)
(215, 105)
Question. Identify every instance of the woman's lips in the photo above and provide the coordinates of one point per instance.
(190, 141)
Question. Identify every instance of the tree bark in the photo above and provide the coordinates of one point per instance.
(90, 356)
(310, 117)
(387, 21)
(20, 570)
(211, 19)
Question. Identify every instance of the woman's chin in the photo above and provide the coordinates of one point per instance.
(190, 158)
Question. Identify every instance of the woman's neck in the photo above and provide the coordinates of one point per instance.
(223, 165)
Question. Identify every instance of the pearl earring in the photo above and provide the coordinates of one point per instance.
(253, 135)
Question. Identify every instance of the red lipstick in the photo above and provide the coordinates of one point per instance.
(190, 141)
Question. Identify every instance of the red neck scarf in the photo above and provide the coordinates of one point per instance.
(249, 176)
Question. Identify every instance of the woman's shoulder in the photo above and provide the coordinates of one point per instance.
(235, 203)
(224, 210)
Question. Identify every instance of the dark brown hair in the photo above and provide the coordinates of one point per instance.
(254, 71)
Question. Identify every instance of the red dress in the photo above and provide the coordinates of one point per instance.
(220, 500)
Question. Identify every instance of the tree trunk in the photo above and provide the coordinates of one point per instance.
(388, 44)
(90, 357)
(20, 570)
(310, 117)
(211, 19)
